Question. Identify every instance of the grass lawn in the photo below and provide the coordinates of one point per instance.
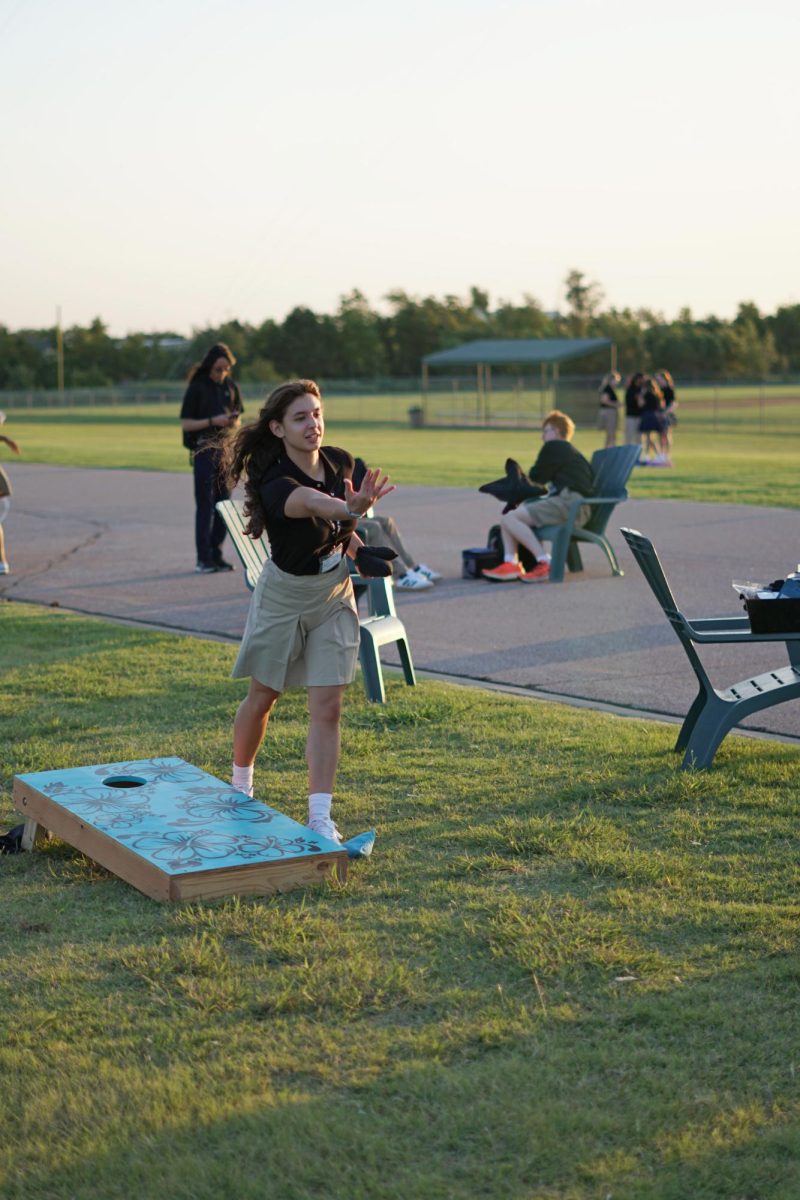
(733, 460)
(568, 971)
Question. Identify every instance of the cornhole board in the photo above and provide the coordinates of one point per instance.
(173, 831)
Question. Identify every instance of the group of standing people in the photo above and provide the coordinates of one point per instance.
(649, 404)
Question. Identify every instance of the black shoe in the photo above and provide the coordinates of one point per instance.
(220, 564)
(206, 568)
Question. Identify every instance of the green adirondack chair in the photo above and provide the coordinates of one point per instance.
(715, 711)
(381, 626)
(612, 470)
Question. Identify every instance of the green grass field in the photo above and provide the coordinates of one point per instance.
(568, 975)
(743, 457)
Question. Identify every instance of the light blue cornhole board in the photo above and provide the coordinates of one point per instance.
(173, 831)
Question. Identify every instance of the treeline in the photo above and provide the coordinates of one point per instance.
(357, 342)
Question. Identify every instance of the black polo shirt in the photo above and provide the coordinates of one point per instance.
(205, 399)
(298, 543)
(632, 405)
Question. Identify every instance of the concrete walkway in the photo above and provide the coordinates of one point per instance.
(119, 544)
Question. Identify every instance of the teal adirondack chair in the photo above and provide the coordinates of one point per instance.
(381, 626)
(715, 711)
(612, 470)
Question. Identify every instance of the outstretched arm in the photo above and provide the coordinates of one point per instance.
(306, 502)
(12, 445)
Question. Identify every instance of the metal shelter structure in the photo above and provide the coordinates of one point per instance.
(546, 353)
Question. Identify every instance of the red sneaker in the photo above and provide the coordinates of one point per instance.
(539, 574)
(504, 572)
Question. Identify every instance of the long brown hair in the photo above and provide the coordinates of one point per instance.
(218, 350)
(252, 450)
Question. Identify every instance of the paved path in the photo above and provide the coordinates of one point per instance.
(119, 544)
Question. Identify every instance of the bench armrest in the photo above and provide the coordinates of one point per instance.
(605, 499)
(719, 630)
(721, 636)
(705, 624)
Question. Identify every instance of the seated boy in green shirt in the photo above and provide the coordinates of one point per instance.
(570, 476)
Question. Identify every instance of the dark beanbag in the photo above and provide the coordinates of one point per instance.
(11, 842)
(514, 487)
(373, 561)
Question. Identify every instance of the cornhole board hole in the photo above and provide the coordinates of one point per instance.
(173, 831)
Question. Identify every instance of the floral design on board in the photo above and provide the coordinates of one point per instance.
(157, 770)
(120, 811)
(276, 847)
(181, 849)
(209, 804)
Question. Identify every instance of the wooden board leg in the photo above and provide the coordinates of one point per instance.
(30, 833)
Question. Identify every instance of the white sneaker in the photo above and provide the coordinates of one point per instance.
(325, 827)
(427, 572)
(413, 582)
(5, 569)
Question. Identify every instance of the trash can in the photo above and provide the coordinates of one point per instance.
(416, 416)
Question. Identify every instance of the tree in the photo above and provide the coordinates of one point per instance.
(306, 345)
(527, 320)
(419, 327)
(748, 351)
(584, 300)
(479, 301)
(90, 358)
(785, 329)
(361, 352)
(624, 329)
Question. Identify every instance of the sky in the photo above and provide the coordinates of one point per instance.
(170, 165)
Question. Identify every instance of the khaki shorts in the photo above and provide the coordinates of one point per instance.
(554, 510)
(607, 419)
(301, 631)
(632, 432)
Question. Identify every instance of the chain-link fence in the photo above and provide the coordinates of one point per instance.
(462, 402)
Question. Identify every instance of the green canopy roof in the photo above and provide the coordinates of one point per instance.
(510, 351)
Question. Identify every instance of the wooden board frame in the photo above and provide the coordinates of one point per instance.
(156, 823)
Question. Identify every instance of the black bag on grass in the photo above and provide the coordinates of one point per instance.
(11, 842)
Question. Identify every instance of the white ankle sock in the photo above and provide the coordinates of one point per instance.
(242, 779)
(319, 806)
(545, 558)
(510, 558)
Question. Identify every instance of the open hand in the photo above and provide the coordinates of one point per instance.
(374, 486)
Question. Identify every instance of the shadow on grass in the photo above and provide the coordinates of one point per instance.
(624, 1098)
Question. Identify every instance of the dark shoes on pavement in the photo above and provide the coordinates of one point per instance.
(211, 568)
